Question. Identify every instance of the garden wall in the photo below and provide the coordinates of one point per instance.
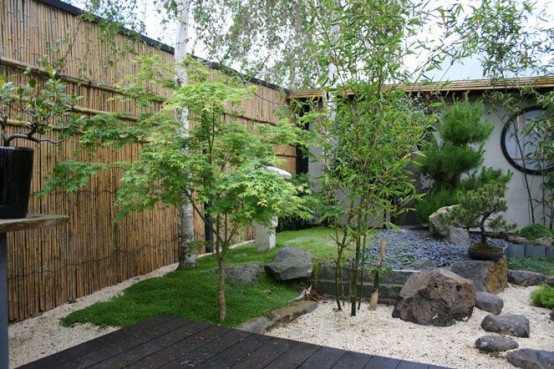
(47, 267)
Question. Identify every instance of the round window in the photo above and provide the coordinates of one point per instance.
(519, 145)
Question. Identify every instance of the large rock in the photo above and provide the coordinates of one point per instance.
(243, 273)
(525, 278)
(492, 343)
(532, 359)
(489, 302)
(489, 276)
(543, 241)
(435, 297)
(514, 325)
(440, 227)
(290, 263)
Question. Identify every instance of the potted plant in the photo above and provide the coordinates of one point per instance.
(474, 210)
(37, 112)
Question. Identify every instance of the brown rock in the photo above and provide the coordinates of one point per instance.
(435, 297)
(489, 276)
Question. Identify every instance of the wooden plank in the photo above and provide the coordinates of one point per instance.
(205, 352)
(294, 357)
(323, 358)
(411, 365)
(240, 350)
(101, 345)
(126, 358)
(179, 349)
(381, 362)
(265, 354)
(352, 360)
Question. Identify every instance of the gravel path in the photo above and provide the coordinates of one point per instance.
(377, 333)
(404, 246)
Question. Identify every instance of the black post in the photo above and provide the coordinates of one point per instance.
(4, 338)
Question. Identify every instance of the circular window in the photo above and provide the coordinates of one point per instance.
(519, 146)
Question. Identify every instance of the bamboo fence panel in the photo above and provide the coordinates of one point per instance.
(48, 267)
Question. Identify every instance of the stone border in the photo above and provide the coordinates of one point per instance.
(278, 317)
(529, 251)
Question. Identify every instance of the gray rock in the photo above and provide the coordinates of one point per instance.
(549, 281)
(489, 276)
(290, 263)
(517, 239)
(435, 297)
(423, 264)
(525, 278)
(532, 359)
(543, 241)
(489, 302)
(243, 273)
(441, 227)
(491, 343)
(514, 325)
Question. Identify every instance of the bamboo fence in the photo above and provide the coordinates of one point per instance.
(49, 266)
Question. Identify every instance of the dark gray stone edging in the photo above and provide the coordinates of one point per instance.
(277, 317)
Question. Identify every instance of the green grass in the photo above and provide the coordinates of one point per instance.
(192, 293)
(544, 266)
(317, 240)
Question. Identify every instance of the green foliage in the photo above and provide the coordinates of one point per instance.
(543, 296)
(534, 231)
(544, 266)
(478, 205)
(462, 123)
(436, 200)
(41, 106)
(458, 151)
(218, 159)
(446, 163)
(191, 294)
(460, 129)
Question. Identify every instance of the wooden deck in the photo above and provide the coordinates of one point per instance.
(168, 342)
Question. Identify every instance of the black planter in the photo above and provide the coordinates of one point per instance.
(492, 255)
(16, 170)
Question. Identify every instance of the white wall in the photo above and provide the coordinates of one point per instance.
(518, 204)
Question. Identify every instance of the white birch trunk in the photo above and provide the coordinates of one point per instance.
(186, 251)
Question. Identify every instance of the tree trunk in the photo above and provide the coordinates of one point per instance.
(221, 291)
(186, 252)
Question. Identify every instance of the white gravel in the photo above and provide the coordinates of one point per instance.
(370, 332)
(377, 333)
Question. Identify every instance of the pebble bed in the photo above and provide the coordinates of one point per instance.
(407, 245)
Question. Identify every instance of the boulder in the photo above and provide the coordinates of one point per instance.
(543, 241)
(435, 297)
(289, 264)
(440, 227)
(243, 273)
(488, 302)
(549, 281)
(514, 325)
(525, 278)
(489, 276)
(423, 264)
(532, 359)
(492, 343)
(517, 239)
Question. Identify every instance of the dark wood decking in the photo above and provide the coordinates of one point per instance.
(168, 342)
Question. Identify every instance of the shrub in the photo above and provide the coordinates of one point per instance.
(431, 203)
(534, 231)
(543, 296)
